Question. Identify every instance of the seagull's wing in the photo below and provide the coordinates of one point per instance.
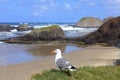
(62, 63)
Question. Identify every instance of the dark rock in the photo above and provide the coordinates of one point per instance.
(108, 33)
(118, 45)
(5, 27)
(8, 28)
(24, 27)
(89, 22)
(117, 62)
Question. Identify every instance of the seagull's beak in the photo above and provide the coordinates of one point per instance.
(53, 52)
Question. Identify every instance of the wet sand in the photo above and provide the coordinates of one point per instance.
(91, 56)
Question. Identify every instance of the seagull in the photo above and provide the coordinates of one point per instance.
(61, 62)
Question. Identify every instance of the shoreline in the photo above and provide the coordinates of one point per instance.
(94, 55)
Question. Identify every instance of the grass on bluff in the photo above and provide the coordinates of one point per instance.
(83, 73)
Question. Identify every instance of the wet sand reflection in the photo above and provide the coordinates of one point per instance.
(45, 49)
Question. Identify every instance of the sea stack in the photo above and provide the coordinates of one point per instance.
(88, 22)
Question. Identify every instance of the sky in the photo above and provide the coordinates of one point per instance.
(56, 10)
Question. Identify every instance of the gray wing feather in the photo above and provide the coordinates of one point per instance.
(62, 63)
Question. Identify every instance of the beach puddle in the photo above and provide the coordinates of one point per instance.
(15, 54)
(45, 49)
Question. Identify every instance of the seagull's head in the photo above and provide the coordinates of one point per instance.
(56, 51)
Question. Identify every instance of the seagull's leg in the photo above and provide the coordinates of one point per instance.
(60, 68)
(66, 71)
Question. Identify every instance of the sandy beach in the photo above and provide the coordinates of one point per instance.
(94, 55)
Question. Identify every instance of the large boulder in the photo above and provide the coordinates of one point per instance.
(108, 33)
(89, 22)
(48, 33)
(53, 32)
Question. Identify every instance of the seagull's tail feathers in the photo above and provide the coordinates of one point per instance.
(72, 68)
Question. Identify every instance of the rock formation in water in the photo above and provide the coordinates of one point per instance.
(47, 33)
(8, 28)
(89, 22)
(108, 33)
(24, 27)
(53, 32)
(5, 27)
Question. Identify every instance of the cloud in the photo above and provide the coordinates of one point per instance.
(112, 5)
(114, 1)
(87, 2)
(67, 6)
(32, 7)
(42, 7)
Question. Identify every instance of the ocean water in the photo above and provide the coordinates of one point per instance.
(15, 53)
(68, 29)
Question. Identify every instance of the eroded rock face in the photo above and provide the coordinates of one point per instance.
(89, 22)
(109, 33)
